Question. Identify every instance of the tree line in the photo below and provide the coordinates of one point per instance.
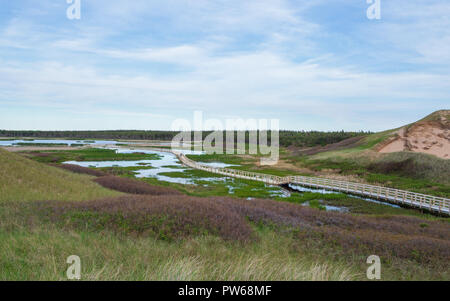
(287, 138)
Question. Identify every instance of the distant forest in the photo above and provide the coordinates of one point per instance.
(287, 138)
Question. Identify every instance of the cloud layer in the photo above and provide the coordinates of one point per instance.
(142, 64)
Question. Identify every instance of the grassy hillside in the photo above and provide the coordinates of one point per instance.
(437, 116)
(22, 179)
(372, 141)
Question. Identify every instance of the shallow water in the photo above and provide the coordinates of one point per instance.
(306, 189)
(217, 164)
(166, 163)
(323, 191)
(276, 191)
(329, 208)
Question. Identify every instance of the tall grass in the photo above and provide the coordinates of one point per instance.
(414, 165)
(41, 255)
(171, 217)
(22, 179)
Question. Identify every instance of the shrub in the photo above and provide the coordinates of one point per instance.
(133, 186)
(406, 167)
(168, 217)
(414, 165)
(81, 170)
(175, 216)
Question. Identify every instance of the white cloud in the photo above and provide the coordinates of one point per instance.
(229, 56)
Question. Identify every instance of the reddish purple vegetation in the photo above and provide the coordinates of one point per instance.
(168, 217)
(133, 186)
(80, 169)
(399, 236)
(172, 216)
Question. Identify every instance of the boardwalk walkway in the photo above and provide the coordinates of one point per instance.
(396, 196)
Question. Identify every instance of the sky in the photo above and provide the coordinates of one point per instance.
(142, 64)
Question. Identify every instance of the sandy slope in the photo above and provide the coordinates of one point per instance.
(430, 136)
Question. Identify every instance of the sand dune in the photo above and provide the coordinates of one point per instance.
(430, 136)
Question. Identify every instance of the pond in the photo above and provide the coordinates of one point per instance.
(167, 163)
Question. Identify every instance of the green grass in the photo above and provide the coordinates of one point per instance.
(242, 188)
(42, 254)
(372, 140)
(22, 179)
(129, 172)
(223, 158)
(190, 173)
(248, 163)
(430, 175)
(419, 166)
(404, 183)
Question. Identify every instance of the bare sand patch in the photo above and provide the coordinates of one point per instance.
(429, 137)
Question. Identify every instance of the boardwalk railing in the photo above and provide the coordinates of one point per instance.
(402, 197)
(413, 199)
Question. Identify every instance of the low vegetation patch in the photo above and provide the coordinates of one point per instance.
(173, 217)
(414, 165)
(133, 186)
(81, 170)
(129, 171)
(168, 217)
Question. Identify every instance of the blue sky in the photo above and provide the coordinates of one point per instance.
(141, 64)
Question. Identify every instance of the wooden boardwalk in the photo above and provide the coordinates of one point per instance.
(401, 197)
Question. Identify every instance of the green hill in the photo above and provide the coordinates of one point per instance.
(22, 179)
